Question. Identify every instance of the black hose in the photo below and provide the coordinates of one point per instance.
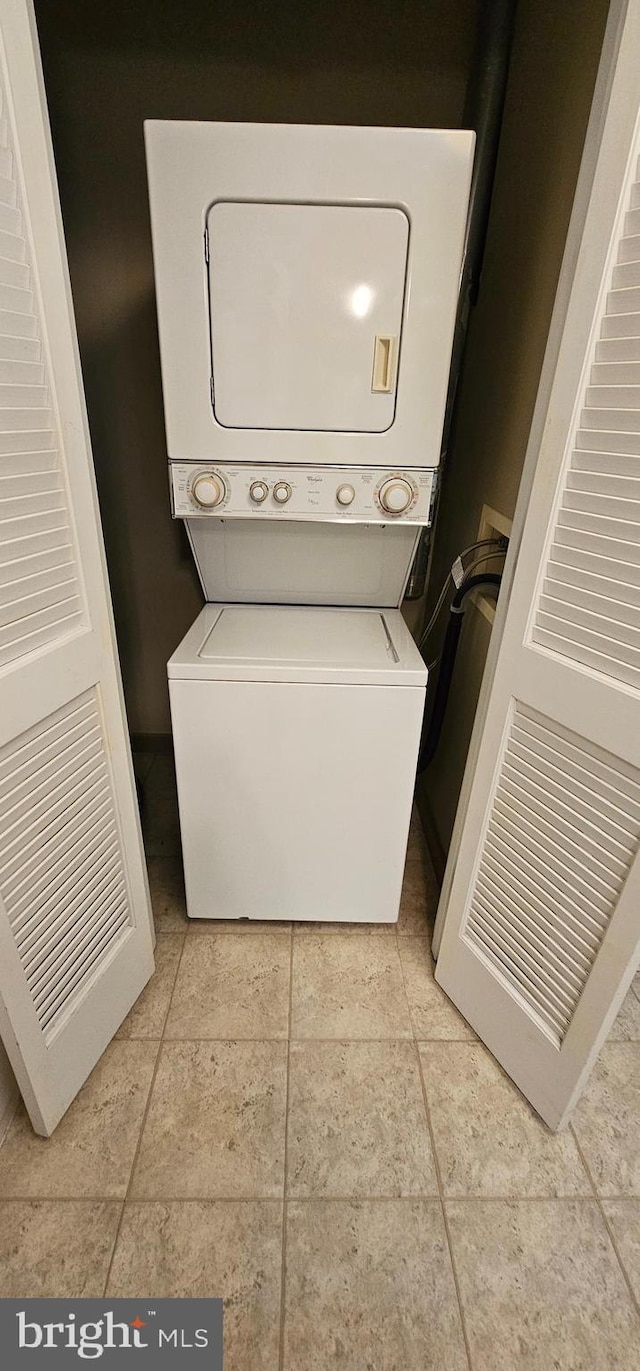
(447, 662)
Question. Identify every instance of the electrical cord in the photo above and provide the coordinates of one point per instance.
(447, 661)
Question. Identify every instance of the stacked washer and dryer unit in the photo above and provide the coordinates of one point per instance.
(307, 281)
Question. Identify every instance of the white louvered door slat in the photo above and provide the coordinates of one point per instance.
(538, 932)
(75, 924)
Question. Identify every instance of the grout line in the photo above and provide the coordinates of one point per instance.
(352, 1198)
(404, 986)
(113, 1248)
(173, 984)
(283, 1269)
(445, 1217)
(154, 1037)
(599, 1201)
(144, 1121)
(238, 1038)
(440, 1196)
(173, 988)
(133, 1165)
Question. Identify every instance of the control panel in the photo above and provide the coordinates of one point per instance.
(344, 494)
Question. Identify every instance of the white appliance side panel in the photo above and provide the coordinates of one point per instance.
(295, 800)
(302, 564)
(293, 348)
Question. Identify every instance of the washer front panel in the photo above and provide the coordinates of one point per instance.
(344, 494)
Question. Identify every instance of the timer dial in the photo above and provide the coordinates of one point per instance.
(208, 490)
(396, 495)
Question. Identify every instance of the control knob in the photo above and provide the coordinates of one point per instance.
(396, 495)
(282, 492)
(345, 495)
(258, 491)
(208, 490)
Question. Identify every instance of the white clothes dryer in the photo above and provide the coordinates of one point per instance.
(296, 732)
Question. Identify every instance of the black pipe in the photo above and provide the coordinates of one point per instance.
(483, 108)
(447, 662)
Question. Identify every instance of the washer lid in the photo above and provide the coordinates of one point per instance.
(299, 643)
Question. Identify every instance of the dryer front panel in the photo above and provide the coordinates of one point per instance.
(306, 305)
(306, 281)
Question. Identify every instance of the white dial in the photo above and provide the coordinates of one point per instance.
(208, 490)
(282, 492)
(396, 495)
(345, 495)
(258, 491)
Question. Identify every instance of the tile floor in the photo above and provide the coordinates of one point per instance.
(299, 1120)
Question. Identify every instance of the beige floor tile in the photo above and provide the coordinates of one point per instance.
(147, 1018)
(216, 1122)
(230, 1249)
(541, 1287)
(357, 1122)
(607, 1120)
(348, 988)
(166, 884)
(627, 1025)
(487, 1138)
(432, 1013)
(419, 899)
(232, 986)
(369, 1285)
(92, 1149)
(58, 1248)
(623, 1217)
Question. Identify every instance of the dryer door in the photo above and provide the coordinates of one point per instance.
(306, 305)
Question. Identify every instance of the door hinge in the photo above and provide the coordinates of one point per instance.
(211, 390)
(206, 245)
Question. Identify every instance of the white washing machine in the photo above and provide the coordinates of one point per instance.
(296, 732)
(306, 283)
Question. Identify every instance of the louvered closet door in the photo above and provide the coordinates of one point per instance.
(542, 921)
(75, 928)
